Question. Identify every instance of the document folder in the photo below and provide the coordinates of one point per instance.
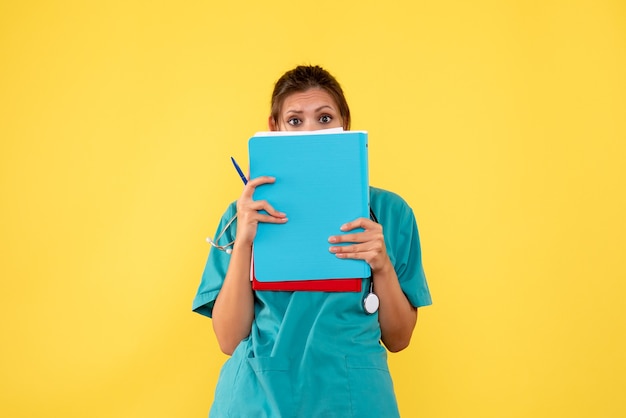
(333, 285)
(321, 183)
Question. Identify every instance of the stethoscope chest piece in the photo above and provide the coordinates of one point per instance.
(371, 301)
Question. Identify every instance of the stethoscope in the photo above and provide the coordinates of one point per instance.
(370, 302)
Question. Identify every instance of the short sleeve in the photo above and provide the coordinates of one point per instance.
(216, 267)
(403, 245)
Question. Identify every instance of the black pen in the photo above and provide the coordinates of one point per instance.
(243, 178)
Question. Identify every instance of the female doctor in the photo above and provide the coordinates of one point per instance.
(312, 354)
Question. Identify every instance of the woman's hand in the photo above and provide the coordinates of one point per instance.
(368, 245)
(396, 315)
(233, 311)
(248, 215)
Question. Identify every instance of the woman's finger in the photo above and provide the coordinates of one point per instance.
(359, 223)
(249, 188)
(365, 236)
(271, 219)
(257, 205)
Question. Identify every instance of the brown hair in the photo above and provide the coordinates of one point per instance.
(305, 77)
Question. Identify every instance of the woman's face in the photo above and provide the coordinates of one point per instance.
(308, 110)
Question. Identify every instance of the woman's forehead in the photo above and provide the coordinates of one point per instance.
(308, 99)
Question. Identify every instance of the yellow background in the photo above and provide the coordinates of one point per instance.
(500, 122)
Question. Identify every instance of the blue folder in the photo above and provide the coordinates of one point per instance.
(321, 183)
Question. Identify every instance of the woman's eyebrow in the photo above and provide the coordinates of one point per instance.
(323, 107)
(316, 110)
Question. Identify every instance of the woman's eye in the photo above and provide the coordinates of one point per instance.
(294, 121)
(326, 119)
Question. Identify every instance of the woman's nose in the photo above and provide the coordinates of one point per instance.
(308, 125)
